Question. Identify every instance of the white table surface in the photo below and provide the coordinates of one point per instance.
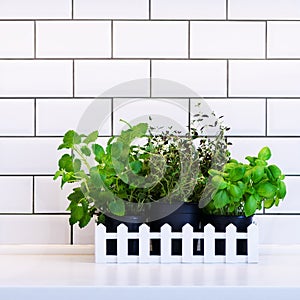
(76, 276)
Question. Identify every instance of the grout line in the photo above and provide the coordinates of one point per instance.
(34, 118)
(150, 9)
(189, 115)
(33, 194)
(227, 78)
(266, 41)
(34, 40)
(71, 234)
(73, 78)
(112, 39)
(150, 75)
(189, 39)
(72, 16)
(266, 117)
(112, 116)
(226, 9)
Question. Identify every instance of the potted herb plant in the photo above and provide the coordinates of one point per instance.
(238, 190)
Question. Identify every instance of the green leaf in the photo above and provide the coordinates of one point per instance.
(221, 198)
(76, 214)
(218, 182)
(250, 206)
(77, 165)
(260, 162)
(84, 221)
(136, 166)
(85, 150)
(264, 153)
(66, 163)
(95, 177)
(92, 137)
(116, 149)
(117, 207)
(266, 190)
(268, 203)
(235, 191)
(257, 173)
(99, 152)
(275, 171)
(251, 160)
(57, 174)
(237, 173)
(71, 138)
(281, 190)
(77, 195)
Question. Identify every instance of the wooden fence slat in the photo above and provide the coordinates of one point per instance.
(122, 243)
(144, 244)
(165, 243)
(100, 243)
(230, 243)
(252, 243)
(187, 243)
(209, 243)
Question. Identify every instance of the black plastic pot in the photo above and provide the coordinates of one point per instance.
(133, 223)
(220, 223)
(185, 213)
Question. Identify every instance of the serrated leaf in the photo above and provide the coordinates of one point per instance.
(76, 214)
(66, 163)
(264, 153)
(77, 195)
(136, 166)
(84, 221)
(95, 177)
(250, 206)
(116, 149)
(77, 165)
(71, 138)
(99, 152)
(85, 150)
(92, 137)
(117, 207)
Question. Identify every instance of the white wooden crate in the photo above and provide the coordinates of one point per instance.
(166, 235)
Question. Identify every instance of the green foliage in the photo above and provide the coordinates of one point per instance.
(241, 189)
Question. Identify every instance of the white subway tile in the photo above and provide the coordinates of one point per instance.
(151, 39)
(283, 116)
(30, 78)
(238, 114)
(16, 117)
(34, 229)
(17, 39)
(16, 194)
(189, 78)
(264, 9)
(283, 39)
(290, 203)
(57, 116)
(225, 39)
(49, 197)
(284, 151)
(278, 229)
(112, 78)
(84, 236)
(111, 9)
(29, 155)
(252, 78)
(188, 9)
(163, 112)
(79, 39)
(35, 9)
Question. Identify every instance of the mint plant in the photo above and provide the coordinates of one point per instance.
(241, 189)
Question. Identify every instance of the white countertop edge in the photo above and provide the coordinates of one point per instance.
(89, 249)
(149, 293)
